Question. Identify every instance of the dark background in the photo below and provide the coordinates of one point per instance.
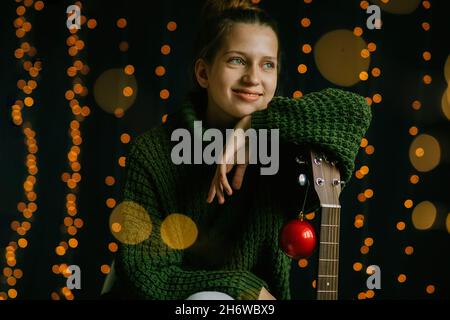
(400, 44)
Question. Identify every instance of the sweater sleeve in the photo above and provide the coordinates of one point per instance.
(151, 268)
(332, 119)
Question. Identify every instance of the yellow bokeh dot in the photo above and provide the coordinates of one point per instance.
(364, 170)
(420, 152)
(178, 231)
(22, 242)
(368, 193)
(424, 215)
(60, 250)
(130, 223)
(365, 53)
(363, 76)
(401, 278)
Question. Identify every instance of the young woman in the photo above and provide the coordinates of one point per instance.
(233, 249)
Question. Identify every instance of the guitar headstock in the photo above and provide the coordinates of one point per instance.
(326, 180)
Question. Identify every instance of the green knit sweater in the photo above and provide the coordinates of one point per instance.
(236, 250)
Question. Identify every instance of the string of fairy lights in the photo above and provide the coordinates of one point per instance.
(75, 95)
(21, 117)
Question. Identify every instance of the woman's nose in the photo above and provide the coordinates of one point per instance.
(251, 76)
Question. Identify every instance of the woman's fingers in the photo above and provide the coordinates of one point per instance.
(223, 179)
(212, 191)
(219, 190)
(239, 176)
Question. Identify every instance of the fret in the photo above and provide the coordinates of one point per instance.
(326, 290)
(329, 259)
(326, 242)
(330, 225)
(330, 206)
(327, 275)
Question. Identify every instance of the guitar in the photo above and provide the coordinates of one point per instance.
(327, 183)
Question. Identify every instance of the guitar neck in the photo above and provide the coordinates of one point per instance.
(328, 271)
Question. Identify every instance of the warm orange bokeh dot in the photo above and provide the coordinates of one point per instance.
(370, 149)
(28, 101)
(160, 71)
(60, 251)
(376, 72)
(372, 47)
(73, 243)
(430, 289)
(125, 138)
(364, 170)
(377, 98)
(368, 241)
(408, 203)
(365, 53)
(305, 22)
(368, 193)
(302, 68)
(297, 94)
(426, 56)
(363, 76)
(12, 293)
(364, 249)
(129, 69)
(409, 250)
(164, 118)
(370, 294)
(121, 23)
(427, 79)
(113, 247)
(401, 226)
(364, 5)
(416, 105)
(426, 26)
(413, 131)
(364, 142)
(164, 94)
(306, 48)
(357, 266)
(39, 5)
(127, 91)
(172, 26)
(110, 203)
(109, 181)
(105, 269)
(165, 49)
(92, 23)
(358, 31)
(122, 161)
(302, 263)
(401, 278)
(358, 174)
(414, 179)
(361, 296)
(123, 46)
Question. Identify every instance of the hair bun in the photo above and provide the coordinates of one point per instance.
(214, 8)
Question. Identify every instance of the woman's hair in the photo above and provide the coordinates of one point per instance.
(218, 16)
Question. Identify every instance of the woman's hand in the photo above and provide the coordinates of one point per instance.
(265, 295)
(220, 183)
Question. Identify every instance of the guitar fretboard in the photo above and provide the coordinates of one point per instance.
(328, 271)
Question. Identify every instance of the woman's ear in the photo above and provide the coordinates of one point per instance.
(201, 73)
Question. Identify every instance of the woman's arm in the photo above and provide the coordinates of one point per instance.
(154, 270)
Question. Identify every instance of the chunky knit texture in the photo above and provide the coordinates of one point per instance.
(237, 249)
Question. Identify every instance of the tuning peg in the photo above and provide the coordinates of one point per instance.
(300, 160)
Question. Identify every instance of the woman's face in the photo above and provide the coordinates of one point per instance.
(243, 76)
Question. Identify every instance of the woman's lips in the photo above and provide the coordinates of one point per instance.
(246, 95)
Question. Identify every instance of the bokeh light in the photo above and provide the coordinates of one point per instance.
(425, 153)
(178, 231)
(130, 223)
(338, 57)
(424, 215)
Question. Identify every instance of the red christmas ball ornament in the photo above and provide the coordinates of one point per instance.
(298, 239)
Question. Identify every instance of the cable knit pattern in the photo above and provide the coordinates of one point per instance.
(236, 250)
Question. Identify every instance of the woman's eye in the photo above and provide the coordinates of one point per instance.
(269, 65)
(236, 60)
